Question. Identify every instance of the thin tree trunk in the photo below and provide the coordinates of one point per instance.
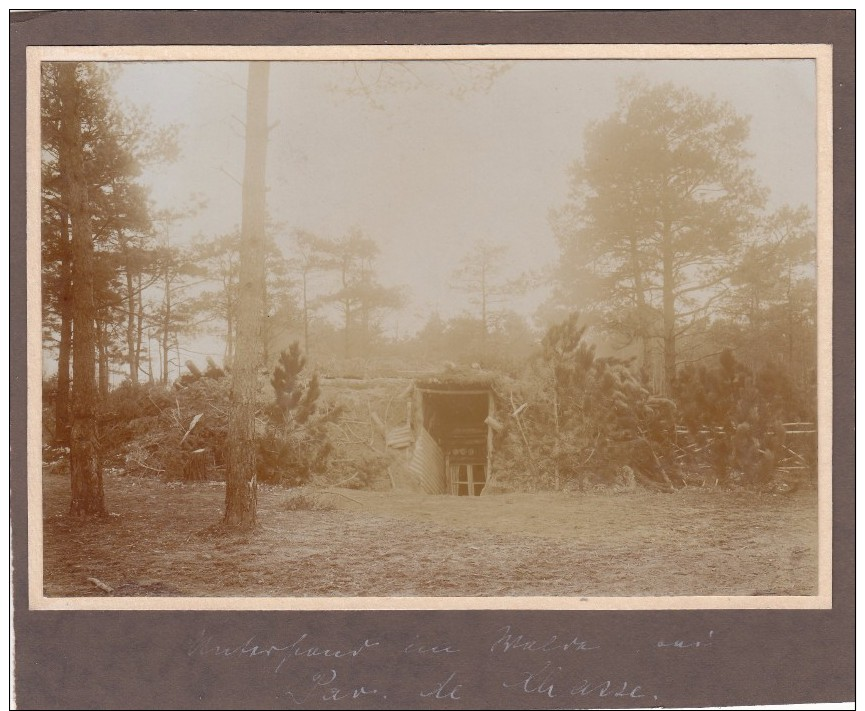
(64, 355)
(305, 315)
(483, 308)
(131, 345)
(230, 320)
(640, 299)
(365, 335)
(139, 330)
(166, 324)
(102, 354)
(150, 378)
(347, 330)
(346, 307)
(669, 306)
(88, 497)
(229, 342)
(241, 484)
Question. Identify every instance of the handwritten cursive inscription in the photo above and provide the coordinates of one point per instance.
(323, 687)
(418, 647)
(445, 690)
(551, 681)
(559, 671)
(682, 644)
(537, 682)
(204, 645)
(616, 690)
(508, 642)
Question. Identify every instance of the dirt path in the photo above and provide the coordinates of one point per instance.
(393, 544)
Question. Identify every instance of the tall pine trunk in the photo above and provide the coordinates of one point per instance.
(62, 425)
(132, 349)
(139, 330)
(241, 485)
(165, 343)
(642, 331)
(88, 498)
(346, 310)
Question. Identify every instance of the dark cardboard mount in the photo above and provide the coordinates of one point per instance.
(139, 659)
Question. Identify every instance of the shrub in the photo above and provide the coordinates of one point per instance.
(146, 427)
(295, 445)
(129, 411)
(734, 419)
(584, 420)
(151, 430)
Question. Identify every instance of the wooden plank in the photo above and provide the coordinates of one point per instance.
(399, 437)
(427, 464)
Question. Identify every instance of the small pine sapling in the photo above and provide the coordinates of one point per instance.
(295, 445)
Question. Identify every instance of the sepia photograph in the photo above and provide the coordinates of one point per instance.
(441, 327)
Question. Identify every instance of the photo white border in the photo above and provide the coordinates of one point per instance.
(821, 53)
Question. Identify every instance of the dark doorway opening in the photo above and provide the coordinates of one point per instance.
(457, 421)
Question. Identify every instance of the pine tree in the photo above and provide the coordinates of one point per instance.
(88, 497)
(117, 143)
(241, 482)
(360, 297)
(660, 202)
(295, 446)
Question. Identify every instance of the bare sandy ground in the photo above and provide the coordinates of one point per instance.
(693, 542)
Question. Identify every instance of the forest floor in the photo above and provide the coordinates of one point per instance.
(363, 543)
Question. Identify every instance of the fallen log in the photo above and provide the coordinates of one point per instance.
(102, 586)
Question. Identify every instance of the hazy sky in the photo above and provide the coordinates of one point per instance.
(425, 157)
